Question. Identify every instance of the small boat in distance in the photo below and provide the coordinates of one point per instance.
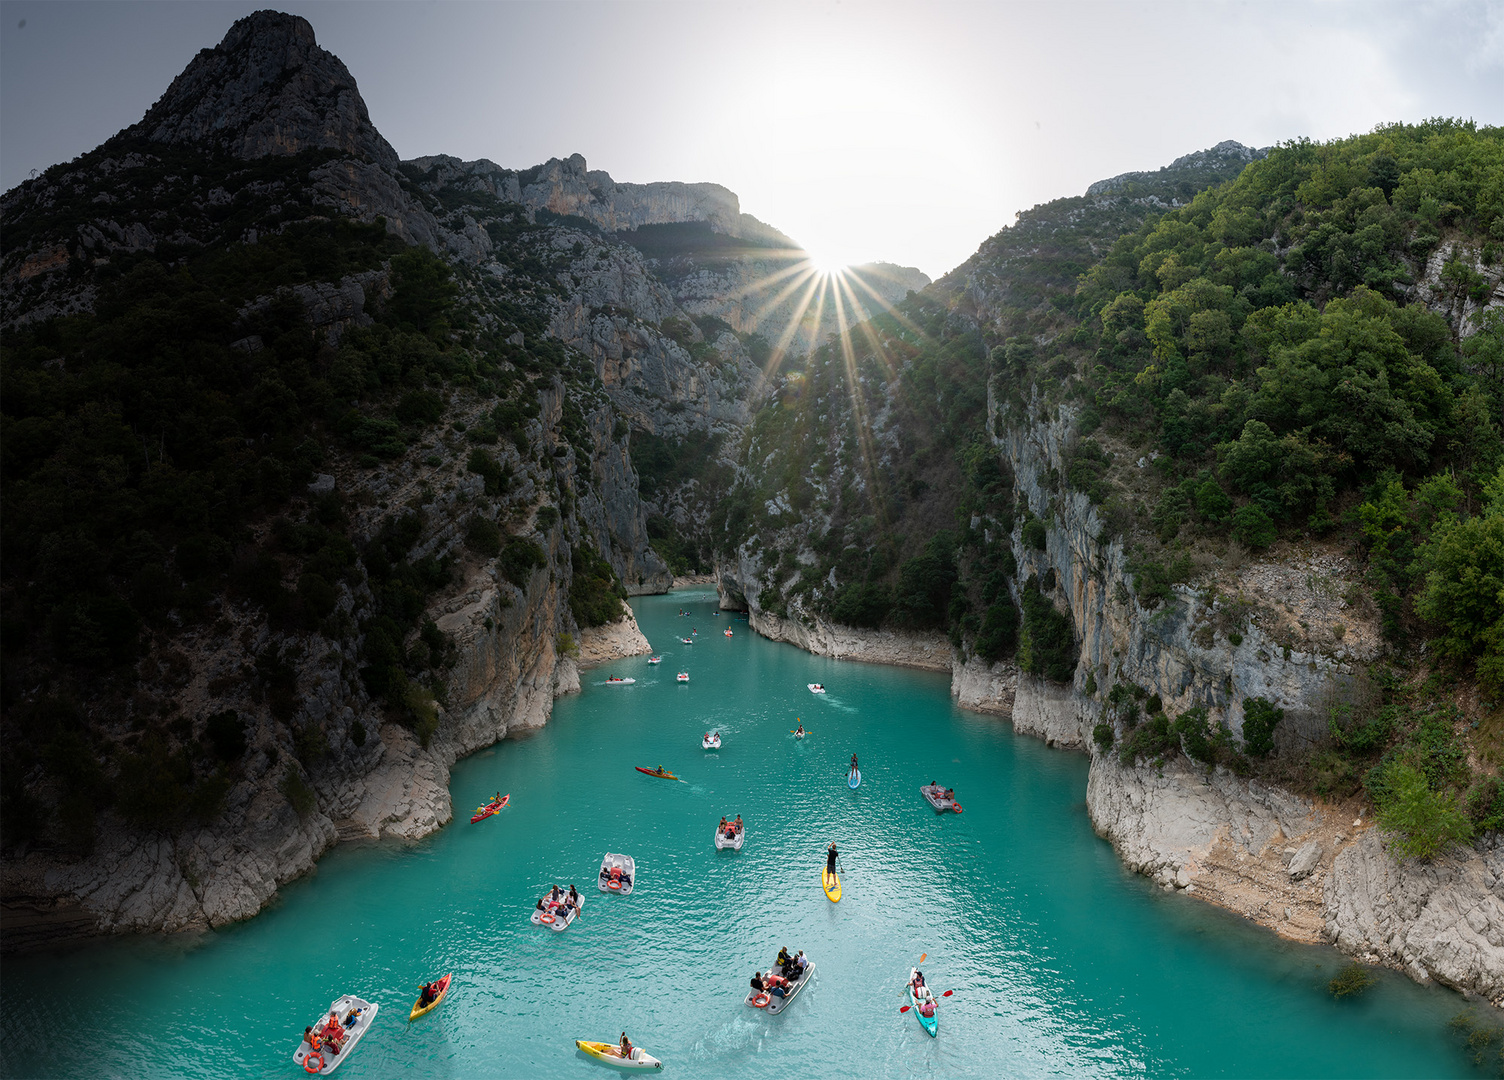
(727, 631)
(662, 774)
(816, 688)
(711, 741)
(730, 837)
(776, 1003)
(655, 659)
(556, 914)
(610, 1054)
(616, 680)
(683, 676)
(354, 1016)
(687, 641)
(420, 1009)
(483, 812)
(618, 874)
(941, 798)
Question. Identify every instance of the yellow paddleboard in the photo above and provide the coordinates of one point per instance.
(832, 885)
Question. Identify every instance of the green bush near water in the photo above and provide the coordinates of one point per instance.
(1351, 981)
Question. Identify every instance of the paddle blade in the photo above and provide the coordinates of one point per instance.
(906, 1008)
(922, 956)
(948, 993)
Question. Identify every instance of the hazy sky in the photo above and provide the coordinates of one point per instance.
(900, 131)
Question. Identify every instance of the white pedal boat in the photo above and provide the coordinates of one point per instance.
(618, 874)
(614, 681)
(655, 659)
(687, 641)
(557, 916)
(816, 688)
(774, 1003)
(934, 794)
(683, 676)
(711, 742)
(734, 841)
(343, 1007)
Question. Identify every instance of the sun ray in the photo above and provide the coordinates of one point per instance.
(779, 349)
(865, 447)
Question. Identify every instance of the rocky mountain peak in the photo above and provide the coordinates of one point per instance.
(267, 88)
(1186, 174)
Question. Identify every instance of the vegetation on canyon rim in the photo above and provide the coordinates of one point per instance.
(1265, 347)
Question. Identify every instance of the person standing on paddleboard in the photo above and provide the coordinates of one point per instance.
(830, 858)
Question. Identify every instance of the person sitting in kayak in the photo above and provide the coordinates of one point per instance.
(625, 1047)
(429, 992)
(830, 858)
(799, 730)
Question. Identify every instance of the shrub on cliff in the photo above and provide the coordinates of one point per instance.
(1047, 644)
(861, 603)
(595, 594)
(1421, 822)
(482, 536)
(1260, 718)
(519, 559)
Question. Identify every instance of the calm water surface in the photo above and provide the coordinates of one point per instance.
(1062, 963)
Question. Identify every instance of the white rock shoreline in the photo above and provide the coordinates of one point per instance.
(1311, 872)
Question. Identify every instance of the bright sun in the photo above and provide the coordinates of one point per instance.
(825, 264)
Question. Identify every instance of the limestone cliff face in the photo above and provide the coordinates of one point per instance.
(1277, 629)
(567, 187)
(267, 88)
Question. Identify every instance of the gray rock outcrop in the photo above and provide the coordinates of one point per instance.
(267, 88)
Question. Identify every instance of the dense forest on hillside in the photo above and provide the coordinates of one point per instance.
(157, 457)
(1302, 352)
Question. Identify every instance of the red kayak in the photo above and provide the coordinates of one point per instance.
(486, 811)
(661, 773)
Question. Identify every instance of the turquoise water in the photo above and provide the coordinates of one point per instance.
(1061, 962)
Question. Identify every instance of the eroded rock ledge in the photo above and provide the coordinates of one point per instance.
(1308, 870)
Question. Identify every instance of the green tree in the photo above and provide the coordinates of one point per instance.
(1421, 822)
(1463, 587)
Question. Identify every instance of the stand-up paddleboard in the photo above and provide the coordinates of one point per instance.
(854, 779)
(831, 883)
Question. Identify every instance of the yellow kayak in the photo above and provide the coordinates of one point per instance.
(608, 1054)
(419, 1009)
(831, 882)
